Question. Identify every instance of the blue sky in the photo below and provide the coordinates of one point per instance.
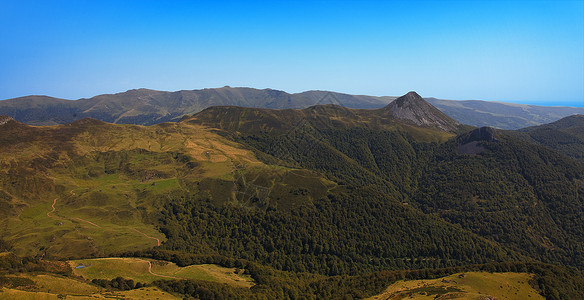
(516, 51)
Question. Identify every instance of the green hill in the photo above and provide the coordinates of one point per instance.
(565, 136)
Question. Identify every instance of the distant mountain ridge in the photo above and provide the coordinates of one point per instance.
(147, 107)
(408, 110)
(502, 115)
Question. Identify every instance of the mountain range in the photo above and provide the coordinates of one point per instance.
(147, 107)
(502, 115)
(326, 201)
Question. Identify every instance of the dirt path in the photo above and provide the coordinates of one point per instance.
(150, 271)
(150, 237)
(53, 210)
(85, 221)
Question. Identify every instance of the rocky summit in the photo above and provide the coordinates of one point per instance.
(412, 108)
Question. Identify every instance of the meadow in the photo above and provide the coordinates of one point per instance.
(146, 271)
(468, 285)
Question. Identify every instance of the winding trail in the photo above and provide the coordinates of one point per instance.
(86, 222)
(150, 237)
(150, 271)
(53, 206)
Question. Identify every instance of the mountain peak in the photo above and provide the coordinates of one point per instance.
(412, 108)
(409, 98)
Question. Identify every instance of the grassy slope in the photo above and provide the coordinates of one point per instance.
(98, 209)
(55, 287)
(137, 270)
(92, 188)
(470, 285)
(321, 117)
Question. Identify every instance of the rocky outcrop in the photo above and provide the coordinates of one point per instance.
(473, 142)
(5, 119)
(415, 110)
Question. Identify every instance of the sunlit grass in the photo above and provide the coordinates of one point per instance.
(137, 270)
(469, 285)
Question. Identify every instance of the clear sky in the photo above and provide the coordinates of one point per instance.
(516, 51)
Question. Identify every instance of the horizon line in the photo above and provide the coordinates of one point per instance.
(574, 104)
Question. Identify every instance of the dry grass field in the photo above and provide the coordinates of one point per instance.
(146, 271)
(470, 285)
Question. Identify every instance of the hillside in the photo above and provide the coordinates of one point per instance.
(92, 186)
(471, 285)
(98, 188)
(503, 179)
(565, 136)
(314, 201)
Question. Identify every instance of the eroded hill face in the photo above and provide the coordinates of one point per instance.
(473, 142)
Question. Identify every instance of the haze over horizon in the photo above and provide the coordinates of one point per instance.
(529, 52)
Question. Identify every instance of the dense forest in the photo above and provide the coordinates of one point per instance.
(565, 136)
